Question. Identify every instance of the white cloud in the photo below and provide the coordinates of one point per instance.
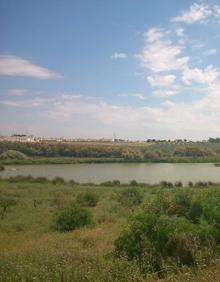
(161, 80)
(164, 93)
(179, 32)
(207, 76)
(36, 102)
(140, 96)
(117, 56)
(154, 34)
(17, 66)
(194, 119)
(162, 56)
(196, 13)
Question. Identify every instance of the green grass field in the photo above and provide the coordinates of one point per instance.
(32, 250)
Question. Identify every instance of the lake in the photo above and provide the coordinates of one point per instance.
(125, 172)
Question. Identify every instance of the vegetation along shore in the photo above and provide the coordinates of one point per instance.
(65, 231)
(92, 152)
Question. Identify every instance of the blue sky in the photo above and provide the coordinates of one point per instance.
(142, 69)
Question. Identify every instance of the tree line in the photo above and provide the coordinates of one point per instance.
(158, 152)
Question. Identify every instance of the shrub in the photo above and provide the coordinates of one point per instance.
(116, 182)
(166, 184)
(41, 179)
(195, 210)
(131, 196)
(183, 201)
(87, 199)
(193, 152)
(21, 178)
(73, 182)
(201, 184)
(110, 183)
(133, 183)
(178, 184)
(13, 155)
(58, 180)
(172, 230)
(72, 217)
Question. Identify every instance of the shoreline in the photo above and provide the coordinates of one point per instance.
(111, 183)
(69, 160)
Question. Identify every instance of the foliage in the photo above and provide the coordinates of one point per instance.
(111, 183)
(77, 152)
(133, 182)
(214, 140)
(87, 199)
(193, 152)
(172, 229)
(130, 196)
(12, 154)
(72, 217)
(178, 184)
(58, 180)
(166, 184)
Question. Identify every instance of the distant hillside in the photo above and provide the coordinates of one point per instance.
(128, 152)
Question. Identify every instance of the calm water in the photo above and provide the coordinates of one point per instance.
(96, 173)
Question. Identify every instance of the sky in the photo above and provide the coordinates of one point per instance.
(88, 69)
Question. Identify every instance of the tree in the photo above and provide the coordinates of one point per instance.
(72, 217)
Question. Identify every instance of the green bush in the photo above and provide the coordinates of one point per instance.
(72, 217)
(182, 200)
(111, 183)
(13, 155)
(178, 184)
(87, 199)
(195, 210)
(166, 184)
(73, 182)
(172, 230)
(131, 196)
(41, 179)
(133, 183)
(58, 180)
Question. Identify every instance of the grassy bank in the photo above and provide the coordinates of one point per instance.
(32, 249)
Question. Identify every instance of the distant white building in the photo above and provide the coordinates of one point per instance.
(19, 138)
